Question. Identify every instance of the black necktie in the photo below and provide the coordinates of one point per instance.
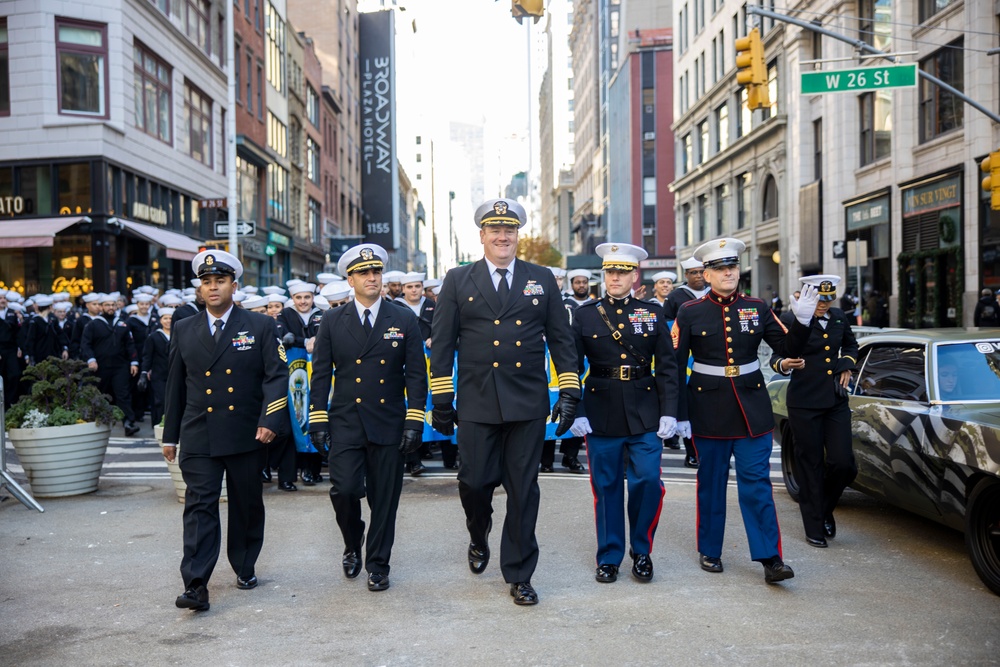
(367, 323)
(218, 329)
(503, 289)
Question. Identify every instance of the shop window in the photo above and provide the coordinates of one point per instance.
(74, 188)
(770, 207)
(198, 24)
(876, 126)
(4, 70)
(82, 60)
(36, 189)
(940, 111)
(198, 119)
(153, 93)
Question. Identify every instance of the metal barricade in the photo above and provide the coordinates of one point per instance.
(6, 480)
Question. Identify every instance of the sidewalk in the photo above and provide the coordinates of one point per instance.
(92, 581)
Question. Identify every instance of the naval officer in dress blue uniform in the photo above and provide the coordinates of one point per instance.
(626, 411)
(726, 406)
(504, 311)
(226, 399)
(375, 415)
(819, 412)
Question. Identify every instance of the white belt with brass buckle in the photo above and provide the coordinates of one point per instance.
(725, 371)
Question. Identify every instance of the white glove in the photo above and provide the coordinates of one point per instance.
(668, 426)
(805, 307)
(684, 429)
(580, 427)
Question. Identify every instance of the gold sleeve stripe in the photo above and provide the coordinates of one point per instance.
(317, 414)
(447, 380)
(847, 356)
(281, 353)
(416, 415)
(283, 401)
(271, 411)
(437, 392)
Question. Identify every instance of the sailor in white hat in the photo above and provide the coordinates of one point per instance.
(579, 287)
(429, 286)
(109, 350)
(560, 274)
(392, 281)
(663, 285)
(726, 406)
(325, 279)
(10, 352)
(273, 289)
(819, 412)
(337, 292)
(626, 410)
(256, 303)
(42, 338)
(275, 304)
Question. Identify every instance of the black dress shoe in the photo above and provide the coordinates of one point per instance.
(776, 571)
(830, 527)
(195, 599)
(287, 486)
(378, 582)
(130, 429)
(691, 462)
(642, 567)
(265, 476)
(308, 479)
(818, 542)
(607, 574)
(574, 465)
(710, 564)
(417, 469)
(546, 468)
(672, 443)
(451, 466)
(246, 584)
(479, 558)
(352, 563)
(523, 593)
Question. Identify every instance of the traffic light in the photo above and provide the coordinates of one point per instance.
(752, 72)
(991, 183)
(521, 8)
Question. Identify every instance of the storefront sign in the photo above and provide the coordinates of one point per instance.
(279, 239)
(75, 286)
(868, 213)
(149, 213)
(13, 205)
(658, 263)
(252, 245)
(933, 196)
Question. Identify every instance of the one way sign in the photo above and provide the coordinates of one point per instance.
(243, 228)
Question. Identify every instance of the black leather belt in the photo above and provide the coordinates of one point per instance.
(620, 372)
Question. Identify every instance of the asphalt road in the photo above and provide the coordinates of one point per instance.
(92, 582)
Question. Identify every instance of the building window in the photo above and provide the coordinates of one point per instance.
(818, 149)
(237, 63)
(876, 125)
(649, 191)
(312, 160)
(875, 22)
(772, 90)
(198, 118)
(687, 222)
(940, 111)
(260, 91)
(277, 135)
(162, 5)
(275, 49)
(220, 42)
(721, 208)
(703, 141)
(702, 217)
(198, 23)
(929, 8)
(82, 55)
(312, 106)
(277, 193)
(315, 221)
(152, 93)
(743, 183)
(4, 70)
(248, 187)
(686, 162)
(770, 207)
(256, 14)
(744, 120)
(722, 128)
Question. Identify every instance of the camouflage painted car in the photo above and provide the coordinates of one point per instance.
(925, 420)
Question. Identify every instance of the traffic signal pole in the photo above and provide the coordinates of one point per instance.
(868, 48)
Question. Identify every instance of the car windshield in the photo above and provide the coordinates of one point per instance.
(969, 371)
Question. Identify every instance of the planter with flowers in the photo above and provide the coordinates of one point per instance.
(60, 430)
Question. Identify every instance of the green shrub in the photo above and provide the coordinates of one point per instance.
(67, 392)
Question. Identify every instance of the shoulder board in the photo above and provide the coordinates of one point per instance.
(688, 304)
(751, 298)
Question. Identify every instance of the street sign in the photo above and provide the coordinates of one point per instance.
(864, 78)
(243, 228)
(840, 249)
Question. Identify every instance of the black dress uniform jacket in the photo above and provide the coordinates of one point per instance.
(9, 328)
(44, 338)
(218, 394)
(290, 321)
(727, 331)
(141, 331)
(368, 399)
(677, 298)
(184, 311)
(502, 348)
(618, 407)
(827, 353)
(74, 340)
(111, 345)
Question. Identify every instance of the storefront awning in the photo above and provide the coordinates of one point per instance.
(178, 246)
(33, 232)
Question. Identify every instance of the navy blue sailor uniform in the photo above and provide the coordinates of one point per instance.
(218, 393)
(10, 363)
(379, 388)
(820, 418)
(623, 401)
(730, 411)
(112, 347)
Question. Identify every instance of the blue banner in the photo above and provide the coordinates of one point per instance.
(299, 372)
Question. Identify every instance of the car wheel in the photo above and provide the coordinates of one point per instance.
(982, 532)
(788, 462)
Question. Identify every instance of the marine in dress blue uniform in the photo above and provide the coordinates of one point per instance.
(626, 410)
(375, 416)
(226, 398)
(726, 406)
(819, 412)
(504, 311)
